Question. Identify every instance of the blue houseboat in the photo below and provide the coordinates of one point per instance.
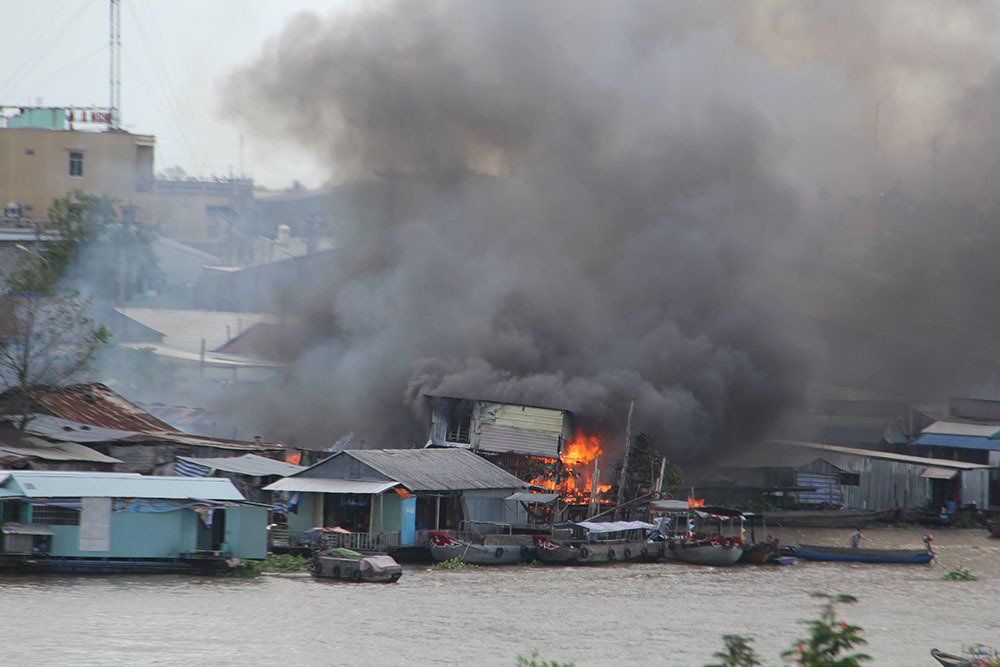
(125, 522)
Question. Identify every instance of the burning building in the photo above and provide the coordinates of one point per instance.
(540, 445)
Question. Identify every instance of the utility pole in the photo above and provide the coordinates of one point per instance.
(628, 444)
(115, 73)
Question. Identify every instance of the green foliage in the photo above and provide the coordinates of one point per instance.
(959, 573)
(281, 563)
(829, 638)
(247, 569)
(533, 661)
(455, 563)
(96, 245)
(644, 464)
(736, 653)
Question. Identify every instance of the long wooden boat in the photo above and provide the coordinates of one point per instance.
(706, 552)
(859, 555)
(444, 546)
(589, 543)
(578, 552)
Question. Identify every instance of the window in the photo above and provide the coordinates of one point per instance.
(76, 164)
(849, 478)
(54, 516)
(460, 429)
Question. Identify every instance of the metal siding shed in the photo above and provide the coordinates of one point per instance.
(46, 484)
(501, 439)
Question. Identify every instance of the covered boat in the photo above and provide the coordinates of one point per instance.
(482, 543)
(353, 566)
(588, 543)
(862, 555)
(703, 535)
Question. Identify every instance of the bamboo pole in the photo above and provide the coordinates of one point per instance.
(628, 445)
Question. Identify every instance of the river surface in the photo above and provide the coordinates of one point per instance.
(647, 614)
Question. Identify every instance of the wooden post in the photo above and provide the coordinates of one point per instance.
(659, 480)
(628, 445)
(437, 512)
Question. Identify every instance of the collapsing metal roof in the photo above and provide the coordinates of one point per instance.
(25, 445)
(248, 464)
(47, 484)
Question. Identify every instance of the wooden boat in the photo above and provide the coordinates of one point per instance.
(703, 535)
(444, 546)
(350, 565)
(860, 555)
(976, 655)
(718, 552)
(589, 543)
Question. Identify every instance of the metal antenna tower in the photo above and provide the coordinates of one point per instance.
(115, 76)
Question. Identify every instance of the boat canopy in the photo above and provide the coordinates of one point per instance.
(614, 526)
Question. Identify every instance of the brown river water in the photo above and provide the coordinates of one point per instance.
(648, 614)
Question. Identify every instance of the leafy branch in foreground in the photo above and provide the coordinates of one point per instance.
(829, 638)
(737, 653)
(534, 662)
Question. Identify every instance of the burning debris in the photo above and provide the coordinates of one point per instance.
(576, 474)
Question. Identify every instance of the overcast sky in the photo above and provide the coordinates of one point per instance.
(174, 54)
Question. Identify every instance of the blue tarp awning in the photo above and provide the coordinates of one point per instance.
(958, 441)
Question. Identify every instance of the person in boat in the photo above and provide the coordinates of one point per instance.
(856, 538)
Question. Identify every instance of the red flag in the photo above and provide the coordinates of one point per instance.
(403, 493)
(293, 458)
(692, 502)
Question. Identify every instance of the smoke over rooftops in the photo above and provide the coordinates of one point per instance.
(579, 200)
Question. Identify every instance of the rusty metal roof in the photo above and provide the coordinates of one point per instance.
(95, 404)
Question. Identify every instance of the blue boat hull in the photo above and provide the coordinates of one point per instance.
(850, 555)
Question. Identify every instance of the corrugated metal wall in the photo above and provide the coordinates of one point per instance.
(885, 484)
(537, 419)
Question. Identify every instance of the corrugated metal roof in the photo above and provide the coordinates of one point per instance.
(529, 497)
(963, 428)
(47, 484)
(52, 451)
(905, 458)
(323, 485)
(57, 428)
(248, 464)
(96, 405)
(958, 441)
(497, 438)
(437, 469)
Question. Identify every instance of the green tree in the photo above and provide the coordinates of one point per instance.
(829, 638)
(46, 336)
(737, 653)
(100, 245)
(645, 461)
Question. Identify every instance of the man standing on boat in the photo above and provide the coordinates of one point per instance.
(856, 538)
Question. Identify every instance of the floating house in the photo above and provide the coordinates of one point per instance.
(809, 475)
(124, 522)
(383, 498)
(248, 473)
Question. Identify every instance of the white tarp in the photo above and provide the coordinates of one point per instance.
(614, 526)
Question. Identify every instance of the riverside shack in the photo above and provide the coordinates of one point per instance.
(383, 498)
(125, 522)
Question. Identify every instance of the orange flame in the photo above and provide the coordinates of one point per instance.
(574, 478)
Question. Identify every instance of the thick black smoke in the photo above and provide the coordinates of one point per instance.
(583, 202)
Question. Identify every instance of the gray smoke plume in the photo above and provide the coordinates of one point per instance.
(586, 202)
